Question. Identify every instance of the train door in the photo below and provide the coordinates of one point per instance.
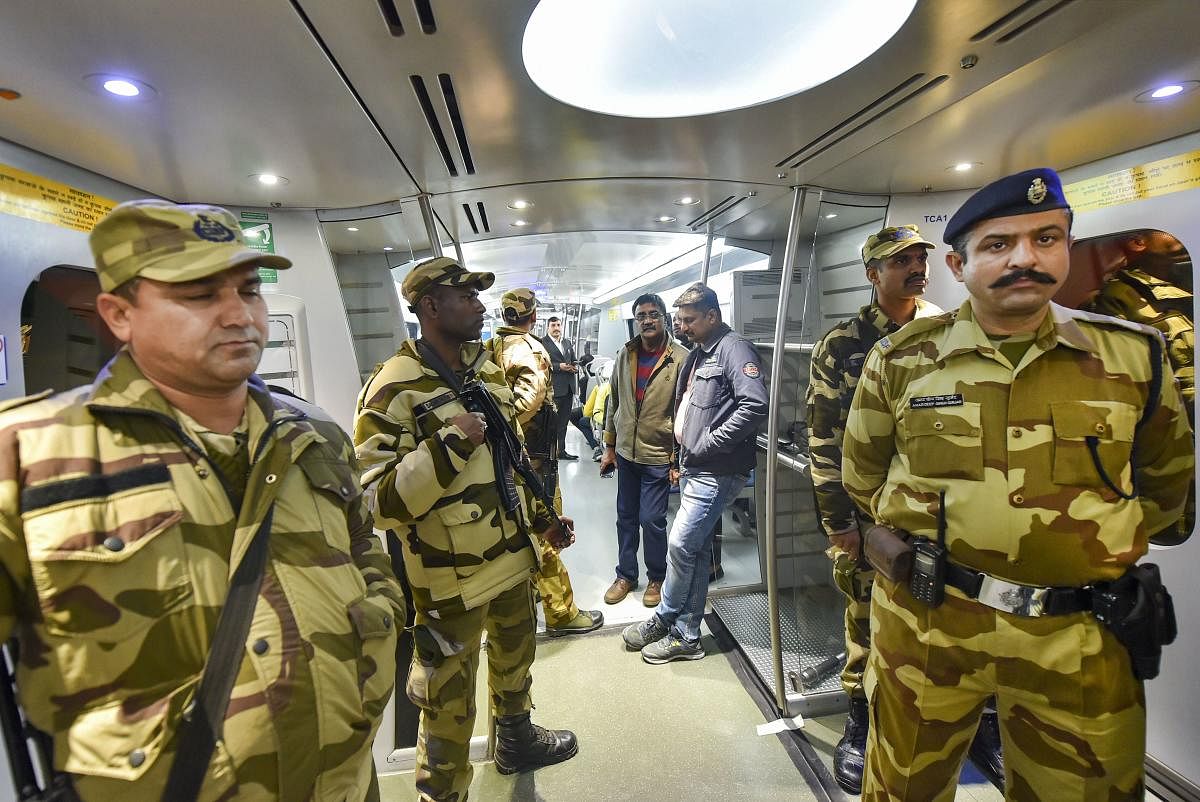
(64, 341)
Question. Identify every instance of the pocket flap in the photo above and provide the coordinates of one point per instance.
(1079, 419)
(459, 514)
(371, 618)
(709, 372)
(333, 476)
(962, 421)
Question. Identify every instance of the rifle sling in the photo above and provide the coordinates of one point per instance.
(204, 719)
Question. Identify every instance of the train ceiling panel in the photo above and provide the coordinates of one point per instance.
(241, 88)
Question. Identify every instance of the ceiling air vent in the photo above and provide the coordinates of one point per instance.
(470, 217)
(435, 127)
(425, 16)
(716, 211)
(1002, 21)
(456, 121)
(807, 154)
(391, 17)
(483, 217)
(1038, 20)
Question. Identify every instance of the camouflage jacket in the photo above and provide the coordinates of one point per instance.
(437, 489)
(526, 367)
(837, 361)
(1135, 295)
(939, 408)
(117, 542)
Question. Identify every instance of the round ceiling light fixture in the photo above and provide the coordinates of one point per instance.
(521, 204)
(269, 179)
(681, 58)
(664, 218)
(830, 215)
(964, 167)
(1158, 94)
(387, 247)
(351, 228)
(121, 86)
(520, 223)
(686, 200)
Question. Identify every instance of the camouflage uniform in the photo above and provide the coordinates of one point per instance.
(526, 367)
(118, 537)
(940, 408)
(837, 361)
(1135, 295)
(470, 563)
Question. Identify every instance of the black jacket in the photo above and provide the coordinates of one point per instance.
(727, 406)
(563, 380)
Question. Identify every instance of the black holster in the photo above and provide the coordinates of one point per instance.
(1138, 610)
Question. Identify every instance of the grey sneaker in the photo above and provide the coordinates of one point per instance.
(671, 647)
(636, 636)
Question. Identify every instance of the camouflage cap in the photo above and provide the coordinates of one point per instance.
(170, 242)
(518, 304)
(891, 240)
(440, 270)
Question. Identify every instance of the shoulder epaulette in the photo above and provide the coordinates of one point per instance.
(915, 329)
(13, 403)
(1099, 319)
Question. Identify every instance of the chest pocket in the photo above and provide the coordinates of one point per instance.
(945, 442)
(1110, 423)
(473, 538)
(707, 383)
(106, 555)
(336, 486)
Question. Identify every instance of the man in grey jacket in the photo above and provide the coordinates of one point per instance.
(639, 442)
(720, 401)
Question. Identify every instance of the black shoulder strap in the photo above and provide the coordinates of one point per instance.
(439, 366)
(1154, 395)
(204, 718)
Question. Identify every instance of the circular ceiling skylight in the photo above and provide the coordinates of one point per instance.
(679, 58)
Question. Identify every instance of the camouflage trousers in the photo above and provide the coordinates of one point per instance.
(442, 683)
(1072, 716)
(855, 583)
(553, 581)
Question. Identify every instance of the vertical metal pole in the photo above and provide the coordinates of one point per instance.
(707, 256)
(785, 292)
(435, 243)
(458, 254)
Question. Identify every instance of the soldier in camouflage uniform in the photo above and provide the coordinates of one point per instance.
(526, 367)
(1017, 427)
(125, 506)
(1143, 292)
(470, 558)
(896, 261)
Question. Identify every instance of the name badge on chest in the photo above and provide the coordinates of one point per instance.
(930, 401)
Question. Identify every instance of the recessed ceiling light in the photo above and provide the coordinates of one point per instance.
(963, 167)
(351, 228)
(665, 218)
(675, 63)
(1166, 91)
(120, 85)
(831, 215)
(687, 200)
(269, 179)
(520, 223)
(387, 247)
(521, 204)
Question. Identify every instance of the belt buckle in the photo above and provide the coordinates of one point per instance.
(1012, 598)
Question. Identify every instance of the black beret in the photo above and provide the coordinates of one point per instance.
(1028, 192)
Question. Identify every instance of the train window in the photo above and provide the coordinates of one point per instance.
(64, 341)
(1143, 275)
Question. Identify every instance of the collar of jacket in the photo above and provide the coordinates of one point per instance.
(874, 316)
(121, 384)
(1058, 327)
(635, 345)
(473, 354)
(716, 337)
(505, 331)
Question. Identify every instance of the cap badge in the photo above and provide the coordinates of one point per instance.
(212, 230)
(1037, 191)
(904, 233)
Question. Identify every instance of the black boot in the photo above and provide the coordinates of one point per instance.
(986, 751)
(523, 745)
(851, 751)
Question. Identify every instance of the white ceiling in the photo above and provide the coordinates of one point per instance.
(321, 92)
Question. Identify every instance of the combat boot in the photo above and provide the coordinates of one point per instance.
(522, 745)
(986, 751)
(851, 751)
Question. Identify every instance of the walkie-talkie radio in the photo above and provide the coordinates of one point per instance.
(928, 581)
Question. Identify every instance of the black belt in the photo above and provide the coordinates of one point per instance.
(1015, 598)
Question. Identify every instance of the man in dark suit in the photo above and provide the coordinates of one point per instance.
(562, 376)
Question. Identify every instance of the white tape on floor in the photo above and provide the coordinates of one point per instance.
(781, 724)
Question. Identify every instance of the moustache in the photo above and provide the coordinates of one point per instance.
(1008, 279)
(915, 278)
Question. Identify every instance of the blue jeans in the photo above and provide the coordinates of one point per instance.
(642, 501)
(702, 498)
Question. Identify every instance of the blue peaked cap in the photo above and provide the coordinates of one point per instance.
(1028, 192)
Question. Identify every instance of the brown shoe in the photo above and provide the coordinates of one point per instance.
(619, 590)
(653, 594)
